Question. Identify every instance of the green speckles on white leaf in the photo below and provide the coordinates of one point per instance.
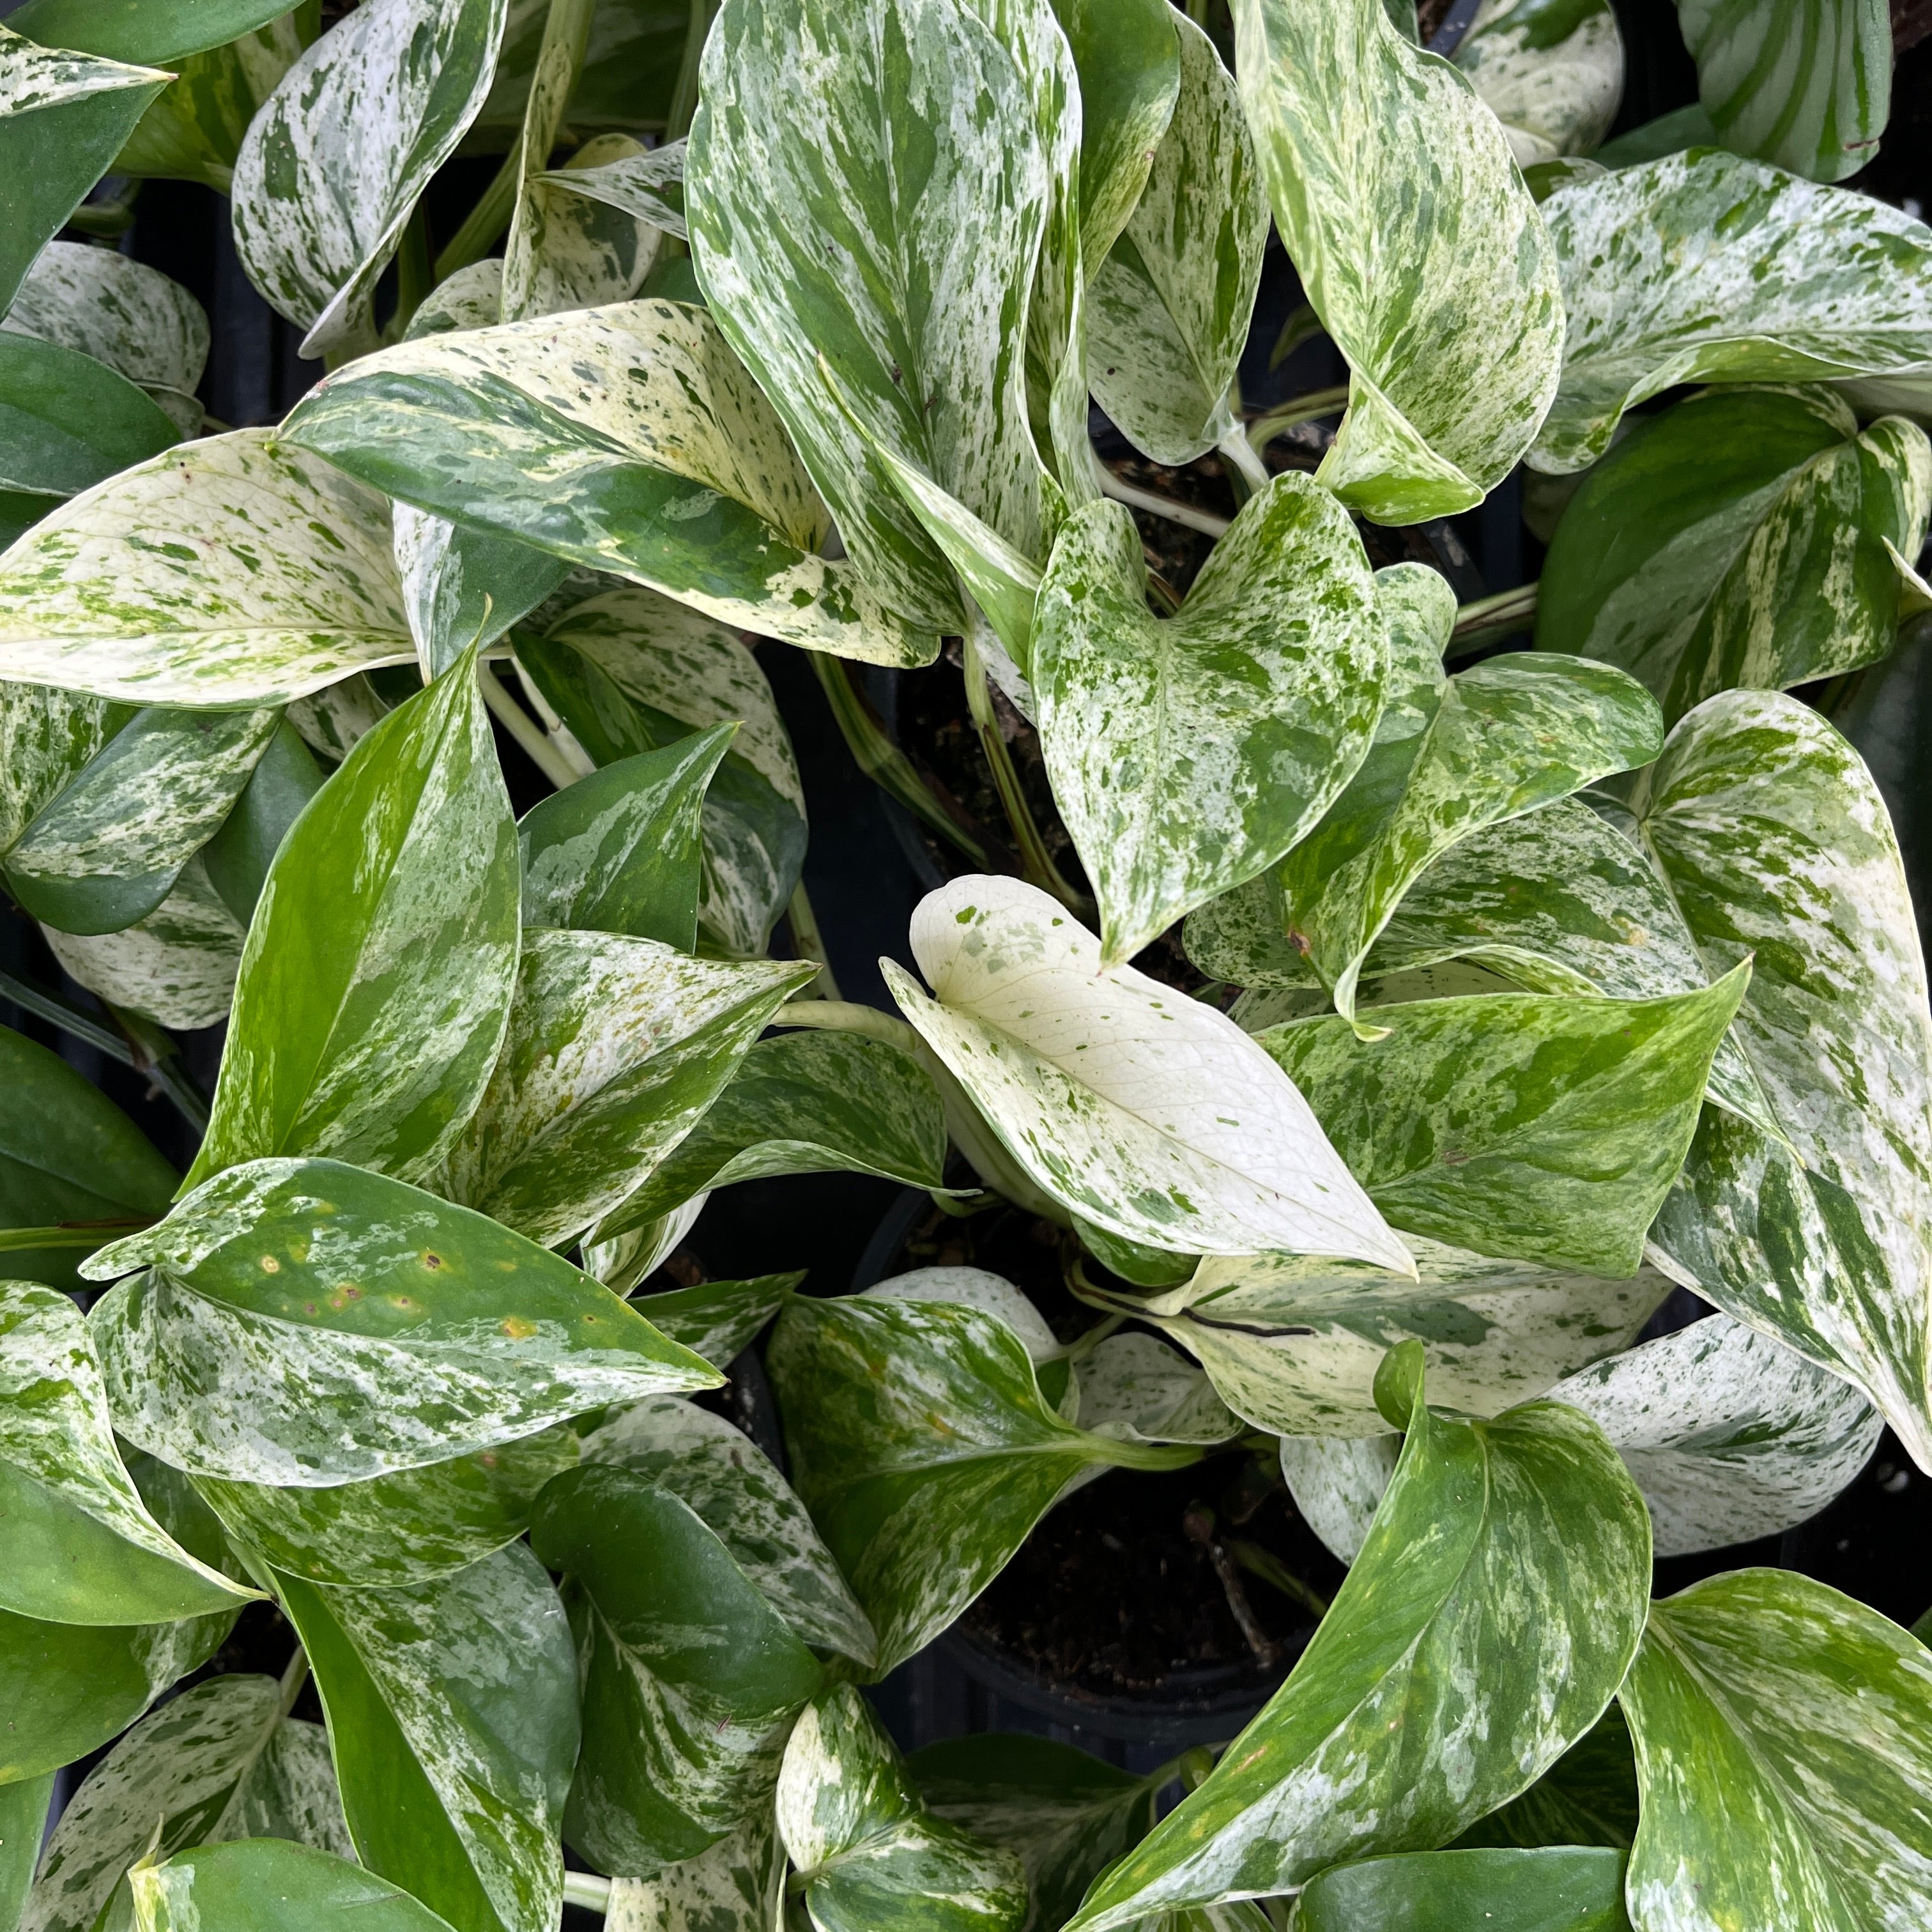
(1552, 76)
(738, 1886)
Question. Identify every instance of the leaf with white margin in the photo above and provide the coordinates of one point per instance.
(869, 1856)
(802, 1103)
(1706, 267)
(1168, 309)
(646, 184)
(1730, 1436)
(1142, 1390)
(1775, 842)
(63, 117)
(334, 164)
(1483, 1628)
(82, 1546)
(1292, 1342)
(462, 586)
(1552, 76)
(1189, 753)
(208, 1768)
(452, 1716)
(615, 1048)
(717, 1319)
(724, 1476)
(976, 1287)
(913, 1425)
(392, 1330)
(1418, 246)
(1337, 1482)
(1782, 1745)
(585, 249)
(738, 1886)
(238, 571)
(46, 736)
(628, 438)
(120, 312)
(1113, 1093)
(815, 237)
(1546, 1127)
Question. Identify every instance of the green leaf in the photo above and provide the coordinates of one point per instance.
(376, 987)
(717, 1319)
(913, 1425)
(1488, 1620)
(67, 1153)
(462, 586)
(1559, 1888)
(1775, 840)
(265, 1885)
(308, 1324)
(236, 572)
(62, 117)
(1730, 1436)
(866, 186)
(1705, 267)
(738, 1886)
(1587, 1797)
(333, 165)
(146, 33)
(452, 1715)
(82, 1547)
(869, 1857)
(1552, 71)
(24, 1806)
(723, 1476)
(46, 736)
(238, 856)
(619, 851)
(1189, 754)
(802, 1103)
(977, 1288)
(1739, 539)
(68, 421)
(691, 1680)
(1782, 1737)
(629, 439)
(1418, 246)
(1167, 313)
(615, 1048)
(111, 847)
(224, 1761)
(1116, 1096)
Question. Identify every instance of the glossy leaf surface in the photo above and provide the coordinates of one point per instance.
(1552, 76)
(1562, 1889)
(68, 421)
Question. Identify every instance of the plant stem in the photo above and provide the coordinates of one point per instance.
(848, 1016)
(809, 943)
(684, 95)
(1185, 515)
(88, 1235)
(1199, 1524)
(1245, 465)
(295, 1674)
(588, 1890)
(560, 733)
(1486, 618)
(1317, 403)
(414, 277)
(1272, 1571)
(1302, 324)
(483, 227)
(522, 727)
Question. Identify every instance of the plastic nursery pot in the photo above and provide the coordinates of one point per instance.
(1114, 1619)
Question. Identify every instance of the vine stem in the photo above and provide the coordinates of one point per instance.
(555, 729)
(1242, 457)
(1483, 620)
(1186, 514)
(1310, 408)
(588, 1890)
(522, 727)
(88, 1235)
(486, 223)
(142, 1045)
(809, 943)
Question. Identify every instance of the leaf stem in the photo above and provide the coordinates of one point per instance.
(1484, 619)
(528, 733)
(295, 1674)
(1185, 515)
(414, 277)
(1302, 324)
(588, 1890)
(1242, 458)
(684, 95)
(560, 733)
(848, 1016)
(87, 1235)
(809, 943)
(1269, 1568)
(484, 227)
(1310, 408)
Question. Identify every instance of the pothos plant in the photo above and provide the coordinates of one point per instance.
(1538, 986)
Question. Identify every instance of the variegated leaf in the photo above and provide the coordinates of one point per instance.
(630, 68)
(716, 1319)
(1116, 1096)
(586, 249)
(627, 438)
(392, 1330)
(566, 33)
(1167, 314)
(1189, 754)
(238, 570)
(462, 586)
(1337, 1483)
(68, 422)
(332, 720)
(1505, 1888)
(263, 1883)
(1140, 1390)
(1587, 1797)
(1730, 1435)
(646, 184)
(738, 1886)
(1489, 1619)
(223, 1761)
(1552, 76)
(1706, 267)
(616, 1047)
(472, 298)
(1418, 245)
(1782, 1745)
(46, 736)
(333, 166)
(980, 1288)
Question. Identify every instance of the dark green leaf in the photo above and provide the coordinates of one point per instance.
(267, 1885)
(147, 33)
(237, 857)
(68, 422)
(23, 1819)
(1587, 1797)
(1561, 1889)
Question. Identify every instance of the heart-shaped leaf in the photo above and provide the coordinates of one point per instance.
(1553, 76)
(68, 421)
(1561, 1888)
(463, 586)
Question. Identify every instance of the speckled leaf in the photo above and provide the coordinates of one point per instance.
(1488, 1620)
(723, 1475)
(1556, 1888)
(207, 1768)
(1739, 539)
(472, 298)
(1782, 1743)
(1140, 1390)
(1188, 753)
(1544, 1127)
(717, 1319)
(238, 570)
(981, 1289)
(68, 421)
(803, 1103)
(1167, 315)
(334, 163)
(1419, 247)
(566, 33)
(1113, 1094)
(1552, 75)
(1706, 267)
(738, 1886)
(462, 586)
(376, 986)
(62, 117)
(46, 736)
(82, 1547)
(616, 1047)
(1730, 1435)
(332, 719)
(869, 1856)
(392, 1330)
(1776, 841)
(816, 233)
(452, 1714)
(1337, 1482)
(237, 859)
(691, 1679)
(585, 249)
(647, 185)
